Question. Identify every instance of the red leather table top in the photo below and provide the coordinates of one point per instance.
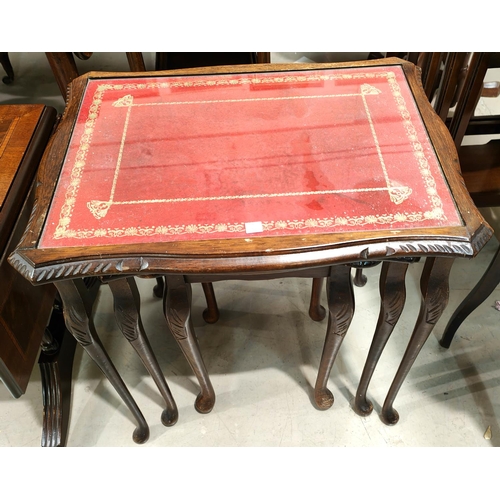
(224, 156)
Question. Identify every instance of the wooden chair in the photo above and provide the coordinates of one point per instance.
(463, 81)
(64, 67)
(182, 60)
(63, 64)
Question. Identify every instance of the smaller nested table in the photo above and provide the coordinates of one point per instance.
(250, 172)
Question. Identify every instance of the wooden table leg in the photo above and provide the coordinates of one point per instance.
(210, 314)
(393, 295)
(77, 307)
(359, 278)
(316, 311)
(341, 310)
(127, 306)
(177, 310)
(55, 364)
(434, 287)
(159, 288)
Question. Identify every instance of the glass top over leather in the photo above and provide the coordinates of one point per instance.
(159, 159)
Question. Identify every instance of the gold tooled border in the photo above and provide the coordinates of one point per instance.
(63, 231)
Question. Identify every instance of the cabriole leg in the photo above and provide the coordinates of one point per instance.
(127, 306)
(393, 296)
(210, 314)
(77, 307)
(341, 310)
(159, 288)
(177, 310)
(434, 287)
(359, 278)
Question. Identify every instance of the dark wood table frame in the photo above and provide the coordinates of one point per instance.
(318, 256)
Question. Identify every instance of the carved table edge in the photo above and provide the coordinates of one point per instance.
(137, 265)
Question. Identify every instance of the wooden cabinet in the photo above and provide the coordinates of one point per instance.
(24, 309)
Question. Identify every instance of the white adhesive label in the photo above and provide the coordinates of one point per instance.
(253, 227)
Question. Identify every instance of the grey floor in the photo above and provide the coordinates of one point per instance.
(264, 352)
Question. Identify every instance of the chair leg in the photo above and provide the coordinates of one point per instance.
(136, 61)
(5, 62)
(161, 61)
(263, 57)
(476, 297)
(64, 68)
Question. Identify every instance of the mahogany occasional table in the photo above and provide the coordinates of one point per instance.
(250, 172)
(24, 133)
